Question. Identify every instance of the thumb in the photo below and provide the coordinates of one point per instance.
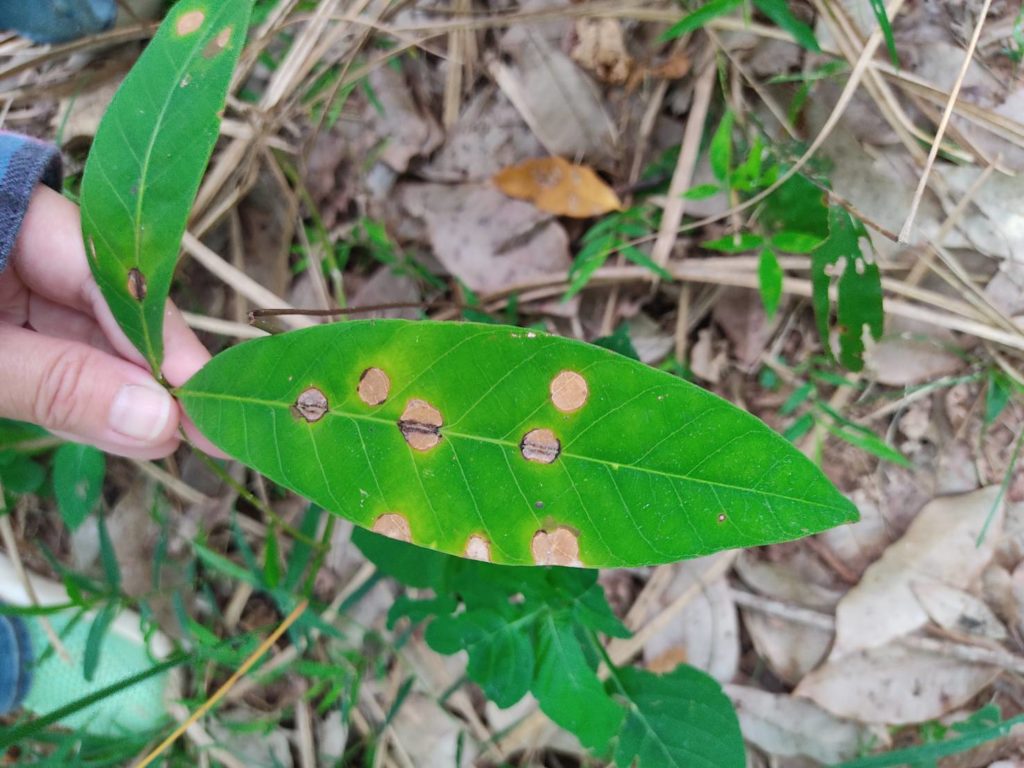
(85, 394)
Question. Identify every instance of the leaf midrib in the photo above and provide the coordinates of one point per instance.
(514, 445)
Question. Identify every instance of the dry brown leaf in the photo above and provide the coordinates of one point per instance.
(790, 650)
(785, 726)
(958, 611)
(554, 96)
(556, 186)
(895, 685)
(482, 237)
(601, 48)
(941, 544)
(706, 631)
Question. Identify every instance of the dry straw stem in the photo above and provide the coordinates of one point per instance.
(946, 114)
(228, 684)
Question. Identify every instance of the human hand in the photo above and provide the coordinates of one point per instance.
(64, 362)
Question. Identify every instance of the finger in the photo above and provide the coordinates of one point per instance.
(74, 389)
(50, 259)
(52, 319)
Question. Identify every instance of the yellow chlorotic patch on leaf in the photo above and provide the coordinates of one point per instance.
(557, 186)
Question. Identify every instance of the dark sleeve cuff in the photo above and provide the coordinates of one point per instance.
(24, 163)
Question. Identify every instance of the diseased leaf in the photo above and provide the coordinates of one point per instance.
(859, 288)
(680, 719)
(78, 472)
(507, 445)
(148, 158)
(556, 186)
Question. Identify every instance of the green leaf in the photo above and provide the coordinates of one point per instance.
(778, 11)
(108, 557)
(647, 468)
(619, 343)
(769, 275)
(701, 192)
(859, 288)
(869, 443)
(700, 17)
(738, 243)
(795, 242)
(679, 719)
(797, 206)
(148, 158)
(641, 259)
(997, 396)
(19, 474)
(567, 688)
(882, 15)
(94, 640)
(501, 656)
(720, 151)
(78, 472)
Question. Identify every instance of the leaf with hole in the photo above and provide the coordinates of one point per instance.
(148, 157)
(858, 285)
(507, 445)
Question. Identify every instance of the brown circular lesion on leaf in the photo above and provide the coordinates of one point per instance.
(136, 284)
(374, 386)
(478, 548)
(558, 547)
(569, 391)
(394, 526)
(540, 445)
(189, 22)
(311, 405)
(722, 517)
(218, 44)
(420, 424)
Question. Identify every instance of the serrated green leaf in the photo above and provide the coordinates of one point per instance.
(769, 275)
(778, 11)
(648, 468)
(567, 687)
(700, 17)
(78, 472)
(148, 158)
(681, 719)
(501, 658)
(858, 288)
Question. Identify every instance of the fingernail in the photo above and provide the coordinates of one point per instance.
(140, 412)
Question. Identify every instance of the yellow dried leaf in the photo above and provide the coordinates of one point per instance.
(557, 186)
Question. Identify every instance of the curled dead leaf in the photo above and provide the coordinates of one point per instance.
(557, 186)
(601, 48)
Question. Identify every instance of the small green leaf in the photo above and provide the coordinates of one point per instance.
(148, 158)
(449, 434)
(795, 242)
(720, 151)
(641, 259)
(701, 192)
(678, 720)
(882, 15)
(108, 557)
(78, 472)
(567, 688)
(700, 17)
(738, 243)
(859, 288)
(769, 275)
(778, 11)
(866, 441)
(94, 641)
(1000, 389)
(20, 474)
(619, 342)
